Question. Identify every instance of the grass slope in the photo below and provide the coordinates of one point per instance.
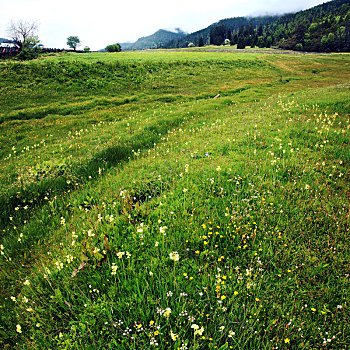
(137, 211)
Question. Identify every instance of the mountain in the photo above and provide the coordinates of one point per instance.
(3, 40)
(126, 46)
(324, 27)
(230, 24)
(155, 40)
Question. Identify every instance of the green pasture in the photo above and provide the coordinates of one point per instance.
(175, 200)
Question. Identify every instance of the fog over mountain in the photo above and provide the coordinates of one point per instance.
(107, 21)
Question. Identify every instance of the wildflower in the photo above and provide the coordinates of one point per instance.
(25, 299)
(128, 255)
(287, 340)
(153, 342)
(222, 328)
(69, 258)
(167, 312)
(197, 330)
(26, 283)
(174, 256)
(120, 254)
(13, 299)
(173, 335)
(162, 229)
(18, 328)
(235, 292)
(156, 244)
(114, 269)
(91, 233)
(59, 265)
(231, 334)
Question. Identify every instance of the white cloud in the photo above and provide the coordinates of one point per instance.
(98, 23)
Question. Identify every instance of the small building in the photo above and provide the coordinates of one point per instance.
(7, 45)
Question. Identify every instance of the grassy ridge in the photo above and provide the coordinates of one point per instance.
(101, 187)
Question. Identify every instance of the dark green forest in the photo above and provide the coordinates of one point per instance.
(323, 28)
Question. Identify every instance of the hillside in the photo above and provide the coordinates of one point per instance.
(154, 41)
(126, 46)
(3, 40)
(229, 24)
(324, 27)
(139, 212)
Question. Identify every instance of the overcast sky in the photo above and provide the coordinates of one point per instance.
(103, 22)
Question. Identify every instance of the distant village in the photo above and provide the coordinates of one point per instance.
(9, 48)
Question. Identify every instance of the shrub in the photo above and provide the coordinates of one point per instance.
(28, 54)
(113, 48)
(299, 47)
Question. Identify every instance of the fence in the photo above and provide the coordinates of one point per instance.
(9, 51)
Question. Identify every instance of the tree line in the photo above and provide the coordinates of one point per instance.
(323, 28)
(24, 35)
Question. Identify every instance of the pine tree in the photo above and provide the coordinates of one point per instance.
(201, 42)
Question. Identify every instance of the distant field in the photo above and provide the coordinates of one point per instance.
(175, 200)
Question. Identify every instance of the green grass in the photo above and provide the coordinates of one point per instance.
(110, 163)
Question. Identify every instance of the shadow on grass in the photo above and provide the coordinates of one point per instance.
(106, 159)
(40, 113)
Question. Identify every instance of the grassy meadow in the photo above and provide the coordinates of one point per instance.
(138, 211)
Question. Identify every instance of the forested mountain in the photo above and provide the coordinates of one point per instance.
(223, 29)
(324, 27)
(155, 40)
